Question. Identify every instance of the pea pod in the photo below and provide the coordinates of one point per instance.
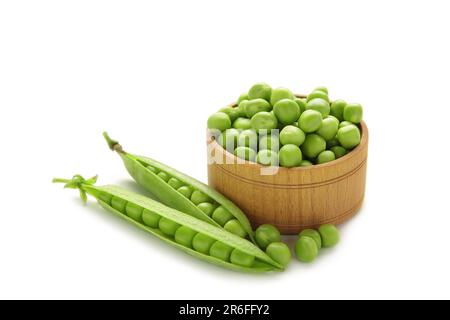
(156, 177)
(195, 237)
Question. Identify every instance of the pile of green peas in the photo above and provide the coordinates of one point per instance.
(274, 127)
(310, 241)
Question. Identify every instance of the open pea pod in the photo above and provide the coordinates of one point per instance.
(182, 192)
(193, 236)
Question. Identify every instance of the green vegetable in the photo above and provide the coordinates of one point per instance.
(314, 234)
(349, 136)
(325, 156)
(264, 121)
(252, 107)
(279, 252)
(319, 105)
(220, 121)
(290, 156)
(244, 257)
(265, 234)
(313, 145)
(287, 111)
(318, 94)
(353, 112)
(245, 153)
(329, 234)
(329, 128)
(242, 124)
(280, 94)
(292, 135)
(338, 151)
(310, 121)
(306, 249)
(267, 158)
(337, 109)
(260, 90)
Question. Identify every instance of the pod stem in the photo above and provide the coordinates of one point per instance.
(114, 145)
(77, 182)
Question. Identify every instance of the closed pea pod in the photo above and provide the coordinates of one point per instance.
(178, 198)
(189, 234)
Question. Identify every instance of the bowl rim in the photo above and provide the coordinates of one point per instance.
(361, 146)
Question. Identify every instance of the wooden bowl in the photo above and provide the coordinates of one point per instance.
(292, 199)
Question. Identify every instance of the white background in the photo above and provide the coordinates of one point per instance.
(148, 71)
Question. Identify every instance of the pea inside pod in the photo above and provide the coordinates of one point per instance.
(182, 192)
(192, 235)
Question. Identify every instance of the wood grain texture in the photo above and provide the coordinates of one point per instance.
(293, 199)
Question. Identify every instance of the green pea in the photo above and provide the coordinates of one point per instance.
(260, 90)
(269, 142)
(202, 243)
(267, 158)
(164, 176)
(220, 251)
(248, 138)
(349, 136)
(332, 143)
(320, 105)
(325, 156)
(279, 252)
(242, 97)
(231, 112)
(323, 89)
(242, 124)
(353, 112)
(339, 151)
(329, 128)
(290, 156)
(313, 234)
(228, 139)
(119, 204)
(310, 121)
(184, 236)
(235, 227)
(292, 135)
(287, 111)
(207, 208)
(318, 95)
(329, 234)
(280, 94)
(105, 197)
(305, 163)
(265, 234)
(241, 109)
(134, 211)
(245, 153)
(337, 109)
(306, 249)
(252, 107)
(152, 169)
(175, 183)
(198, 197)
(185, 191)
(220, 121)
(313, 145)
(264, 121)
(344, 124)
(168, 227)
(222, 215)
(301, 104)
(241, 258)
(150, 219)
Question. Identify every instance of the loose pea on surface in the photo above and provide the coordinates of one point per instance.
(339, 151)
(279, 252)
(228, 139)
(330, 235)
(313, 145)
(235, 227)
(202, 243)
(184, 236)
(248, 138)
(264, 121)
(175, 183)
(167, 226)
(287, 111)
(260, 90)
(222, 215)
(241, 258)
(134, 211)
(242, 123)
(220, 121)
(325, 156)
(290, 156)
(306, 249)
(319, 105)
(150, 219)
(252, 107)
(198, 197)
(269, 142)
(267, 158)
(185, 191)
(337, 109)
(318, 94)
(207, 208)
(164, 176)
(314, 234)
(280, 94)
(265, 234)
(245, 153)
(329, 128)
(349, 136)
(119, 204)
(292, 135)
(220, 251)
(310, 121)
